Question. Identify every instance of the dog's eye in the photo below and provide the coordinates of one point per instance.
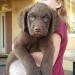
(46, 18)
(32, 17)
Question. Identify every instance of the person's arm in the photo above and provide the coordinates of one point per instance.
(56, 41)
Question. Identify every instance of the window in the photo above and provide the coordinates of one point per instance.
(71, 12)
(72, 24)
(2, 33)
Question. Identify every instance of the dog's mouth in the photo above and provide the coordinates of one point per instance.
(37, 34)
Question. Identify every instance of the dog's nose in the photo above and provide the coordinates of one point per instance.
(37, 29)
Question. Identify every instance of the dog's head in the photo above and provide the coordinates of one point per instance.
(38, 20)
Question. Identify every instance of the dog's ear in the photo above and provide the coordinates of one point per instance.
(55, 20)
(22, 18)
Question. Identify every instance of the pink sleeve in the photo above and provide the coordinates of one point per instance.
(62, 30)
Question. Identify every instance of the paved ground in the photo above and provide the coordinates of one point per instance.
(2, 65)
(2, 70)
(68, 72)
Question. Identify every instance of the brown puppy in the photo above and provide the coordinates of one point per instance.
(38, 23)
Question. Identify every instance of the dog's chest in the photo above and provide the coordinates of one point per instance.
(33, 47)
(36, 46)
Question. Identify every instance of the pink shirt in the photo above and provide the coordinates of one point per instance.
(58, 68)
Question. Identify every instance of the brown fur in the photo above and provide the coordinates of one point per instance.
(37, 23)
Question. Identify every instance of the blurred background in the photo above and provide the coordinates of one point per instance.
(9, 29)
